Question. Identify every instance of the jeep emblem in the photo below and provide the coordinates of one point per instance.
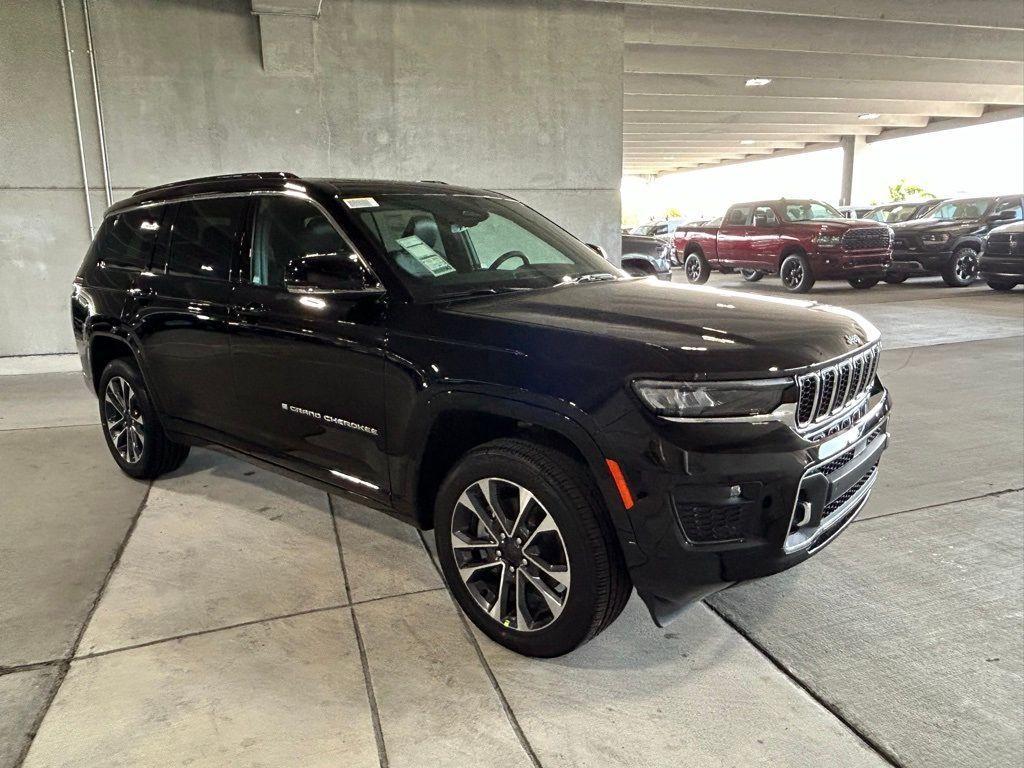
(853, 339)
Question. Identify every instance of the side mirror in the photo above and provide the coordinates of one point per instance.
(328, 273)
(598, 250)
(1006, 215)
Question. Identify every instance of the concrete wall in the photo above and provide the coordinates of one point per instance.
(524, 97)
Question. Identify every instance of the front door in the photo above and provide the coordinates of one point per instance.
(762, 241)
(308, 366)
(732, 235)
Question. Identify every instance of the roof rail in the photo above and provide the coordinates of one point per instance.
(221, 177)
(433, 181)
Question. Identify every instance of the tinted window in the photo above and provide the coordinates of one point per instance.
(127, 239)
(1011, 204)
(962, 210)
(288, 228)
(767, 212)
(204, 237)
(738, 217)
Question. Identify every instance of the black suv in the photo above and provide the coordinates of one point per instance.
(1002, 262)
(451, 357)
(948, 239)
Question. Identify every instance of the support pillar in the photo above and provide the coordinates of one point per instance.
(854, 149)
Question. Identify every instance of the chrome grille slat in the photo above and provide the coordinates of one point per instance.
(831, 391)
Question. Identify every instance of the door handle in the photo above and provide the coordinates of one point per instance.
(255, 309)
(140, 293)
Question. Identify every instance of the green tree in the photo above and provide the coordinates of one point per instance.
(673, 213)
(901, 190)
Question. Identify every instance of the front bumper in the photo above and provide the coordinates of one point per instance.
(1001, 268)
(843, 265)
(744, 508)
(918, 261)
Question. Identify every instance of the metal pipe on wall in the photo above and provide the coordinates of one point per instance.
(99, 108)
(78, 118)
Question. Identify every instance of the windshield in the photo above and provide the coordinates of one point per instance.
(808, 210)
(444, 245)
(962, 210)
(894, 213)
(647, 230)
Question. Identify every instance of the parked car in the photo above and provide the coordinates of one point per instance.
(853, 211)
(693, 230)
(1001, 264)
(453, 358)
(646, 256)
(894, 213)
(800, 240)
(948, 241)
(662, 229)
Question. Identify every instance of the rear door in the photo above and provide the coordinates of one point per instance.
(308, 368)
(184, 305)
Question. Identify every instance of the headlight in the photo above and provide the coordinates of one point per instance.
(711, 399)
(934, 238)
(828, 241)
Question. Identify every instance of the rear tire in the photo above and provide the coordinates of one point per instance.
(796, 273)
(962, 267)
(571, 534)
(697, 268)
(1000, 285)
(863, 283)
(131, 426)
(752, 275)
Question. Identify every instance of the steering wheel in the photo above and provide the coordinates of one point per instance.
(509, 255)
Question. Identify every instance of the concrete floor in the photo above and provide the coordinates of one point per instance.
(225, 616)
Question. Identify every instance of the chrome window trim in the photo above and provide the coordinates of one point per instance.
(256, 193)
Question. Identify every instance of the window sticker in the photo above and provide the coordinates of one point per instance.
(425, 255)
(360, 202)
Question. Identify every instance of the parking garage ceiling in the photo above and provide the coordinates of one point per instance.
(709, 82)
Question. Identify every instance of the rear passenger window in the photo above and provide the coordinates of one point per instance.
(204, 237)
(128, 238)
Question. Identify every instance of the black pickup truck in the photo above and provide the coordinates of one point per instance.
(454, 359)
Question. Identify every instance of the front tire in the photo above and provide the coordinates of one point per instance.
(962, 267)
(752, 275)
(131, 426)
(697, 268)
(796, 273)
(527, 549)
(863, 283)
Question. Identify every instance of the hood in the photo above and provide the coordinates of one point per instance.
(914, 226)
(675, 328)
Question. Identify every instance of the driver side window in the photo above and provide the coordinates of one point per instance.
(288, 228)
(496, 235)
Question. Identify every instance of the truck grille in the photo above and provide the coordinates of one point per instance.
(1005, 244)
(830, 390)
(867, 239)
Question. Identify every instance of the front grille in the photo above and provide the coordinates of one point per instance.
(1005, 244)
(830, 390)
(839, 501)
(843, 459)
(906, 243)
(867, 239)
(707, 523)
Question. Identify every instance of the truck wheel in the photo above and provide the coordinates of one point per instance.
(896, 279)
(863, 283)
(1001, 285)
(962, 267)
(527, 548)
(752, 275)
(697, 268)
(131, 426)
(796, 273)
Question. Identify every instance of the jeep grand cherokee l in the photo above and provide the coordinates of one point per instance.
(454, 359)
(800, 240)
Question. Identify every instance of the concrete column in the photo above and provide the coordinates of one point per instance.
(854, 150)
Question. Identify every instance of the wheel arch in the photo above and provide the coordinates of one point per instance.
(789, 249)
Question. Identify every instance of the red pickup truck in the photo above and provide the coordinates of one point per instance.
(800, 240)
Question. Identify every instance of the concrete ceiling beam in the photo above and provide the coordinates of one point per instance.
(757, 103)
(771, 118)
(676, 133)
(664, 25)
(998, 14)
(630, 144)
(684, 60)
(723, 86)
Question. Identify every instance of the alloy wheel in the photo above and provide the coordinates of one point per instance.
(793, 274)
(693, 268)
(966, 266)
(510, 554)
(124, 420)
